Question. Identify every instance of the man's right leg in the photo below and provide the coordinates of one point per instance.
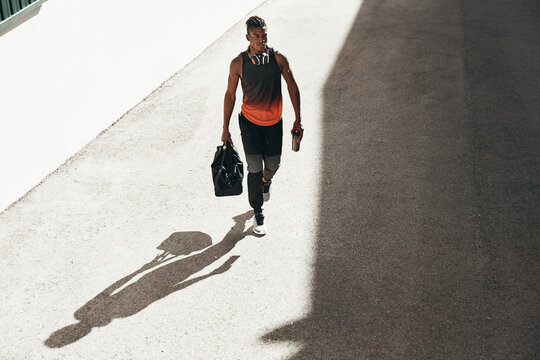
(255, 174)
(252, 140)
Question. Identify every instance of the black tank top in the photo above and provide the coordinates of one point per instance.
(261, 84)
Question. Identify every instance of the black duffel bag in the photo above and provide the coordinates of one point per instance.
(227, 171)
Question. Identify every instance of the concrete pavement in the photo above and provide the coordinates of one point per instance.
(405, 228)
(428, 224)
(80, 250)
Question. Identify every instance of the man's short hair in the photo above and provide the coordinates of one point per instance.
(255, 22)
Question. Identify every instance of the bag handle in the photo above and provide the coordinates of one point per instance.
(227, 148)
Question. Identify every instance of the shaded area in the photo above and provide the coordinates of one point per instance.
(428, 228)
(118, 301)
(502, 52)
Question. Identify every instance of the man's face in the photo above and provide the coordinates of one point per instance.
(257, 39)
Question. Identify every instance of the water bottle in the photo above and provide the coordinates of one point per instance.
(295, 143)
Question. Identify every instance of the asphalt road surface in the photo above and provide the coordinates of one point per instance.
(406, 227)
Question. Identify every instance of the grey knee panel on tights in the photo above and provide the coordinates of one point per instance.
(271, 164)
(254, 163)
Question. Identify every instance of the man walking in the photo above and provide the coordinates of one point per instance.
(259, 69)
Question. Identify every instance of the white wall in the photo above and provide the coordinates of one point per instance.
(76, 67)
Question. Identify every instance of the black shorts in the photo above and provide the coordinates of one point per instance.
(257, 139)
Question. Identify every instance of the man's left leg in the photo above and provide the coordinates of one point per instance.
(271, 166)
(273, 145)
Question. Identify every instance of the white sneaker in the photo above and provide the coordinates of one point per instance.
(258, 224)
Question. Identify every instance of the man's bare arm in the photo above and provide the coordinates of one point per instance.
(294, 92)
(230, 97)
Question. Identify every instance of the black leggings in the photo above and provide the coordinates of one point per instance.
(262, 144)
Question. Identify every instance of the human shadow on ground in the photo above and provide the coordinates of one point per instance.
(120, 301)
